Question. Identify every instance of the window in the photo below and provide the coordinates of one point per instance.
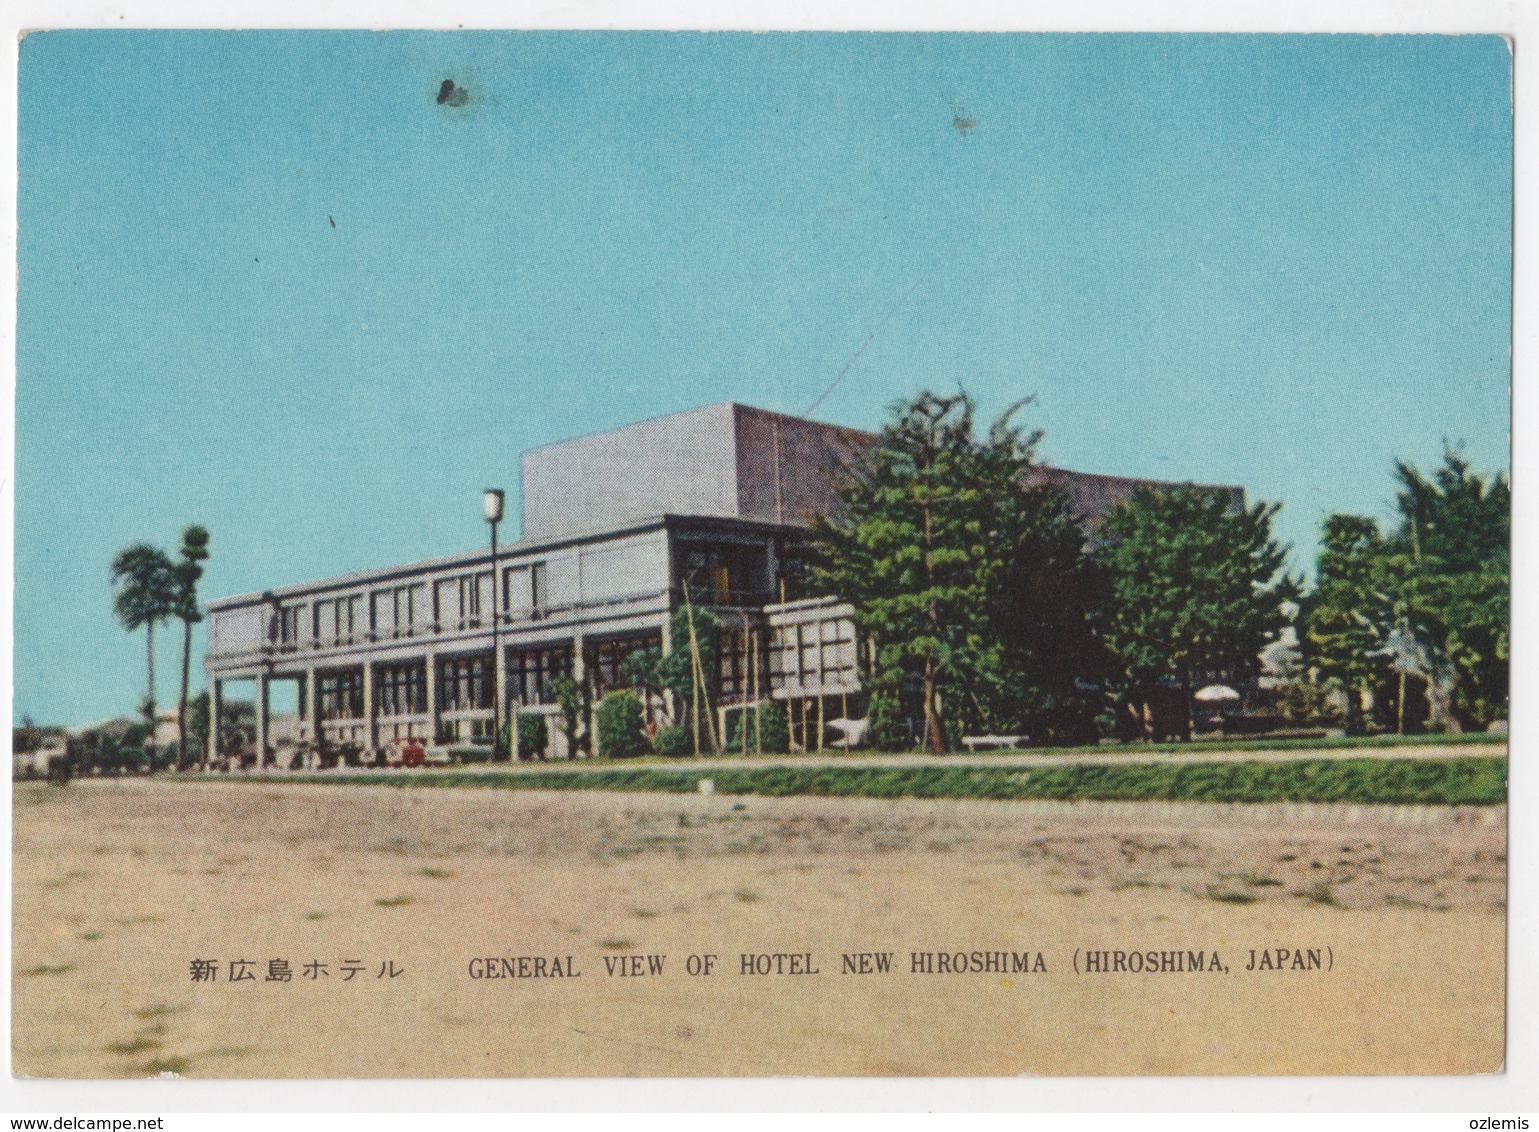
(723, 575)
(335, 620)
(400, 689)
(342, 694)
(537, 587)
(607, 657)
(523, 591)
(475, 599)
(465, 684)
(407, 602)
(288, 627)
(531, 672)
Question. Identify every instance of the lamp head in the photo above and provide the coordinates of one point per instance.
(491, 500)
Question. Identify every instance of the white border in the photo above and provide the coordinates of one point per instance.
(1514, 1091)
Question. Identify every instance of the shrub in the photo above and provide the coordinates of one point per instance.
(889, 730)
(771, 729)
(571, 696)
(533, 735)
(676, 670)
(621, 731)
(674, 742)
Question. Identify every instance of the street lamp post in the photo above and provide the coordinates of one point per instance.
(491, 500)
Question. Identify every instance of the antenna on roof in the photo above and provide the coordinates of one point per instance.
(855, 357)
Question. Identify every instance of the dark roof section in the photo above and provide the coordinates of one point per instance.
(1091, 495)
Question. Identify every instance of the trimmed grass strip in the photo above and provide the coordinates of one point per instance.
(1478, 781)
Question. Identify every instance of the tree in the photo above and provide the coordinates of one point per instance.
(146, 587)
(1045, 605)
(1347, 616)
(692, 670)
(642, 669)
(194, 552)
(1196, 587)
(1428, 603)
(569, 696)
(197, 719)
(924, 545)
(533, 734)
(1455, 535)
(621, 733)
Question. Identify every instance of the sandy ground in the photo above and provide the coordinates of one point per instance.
(118, 886)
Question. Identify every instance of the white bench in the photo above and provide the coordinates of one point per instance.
(995, 742)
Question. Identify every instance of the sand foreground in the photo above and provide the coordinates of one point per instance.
(622, 921)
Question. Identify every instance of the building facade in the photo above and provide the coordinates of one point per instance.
(615, 527)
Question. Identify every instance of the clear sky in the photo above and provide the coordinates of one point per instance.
(270, 284)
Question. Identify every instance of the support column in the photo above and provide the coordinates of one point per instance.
(431, 662)
(370, 712)
(215, 712)
(772, 570)
(261, 720)
(313, 706)
(580, 677)
(667, 647)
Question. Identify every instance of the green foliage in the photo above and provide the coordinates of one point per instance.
(113, 748)
(643, 669)
(1473, 781)
(1195, 584)
(676, 670)
(146, 588)
(569, 696)
(673, 742)
(145, 585)
(1347, 613)
(533, 735)
(889, 731)
(760, 729)
(969, 580)
(621, 730)
(1046, 603)
(187, 572)
(197, 718)
(1429, 602)
(1300, 702)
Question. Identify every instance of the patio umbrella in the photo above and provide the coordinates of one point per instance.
(1217, 694)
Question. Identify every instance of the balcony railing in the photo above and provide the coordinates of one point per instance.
(436, 629)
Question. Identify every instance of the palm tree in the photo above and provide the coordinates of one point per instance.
(146, 592)
(194, 550)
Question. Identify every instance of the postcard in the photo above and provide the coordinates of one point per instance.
(606, 554)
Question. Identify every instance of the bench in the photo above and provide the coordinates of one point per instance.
(995, 742)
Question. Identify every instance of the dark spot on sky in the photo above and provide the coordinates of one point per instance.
(451, 95)
(963, 126)
(333, 220)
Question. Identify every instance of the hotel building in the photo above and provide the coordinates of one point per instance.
(615, 526)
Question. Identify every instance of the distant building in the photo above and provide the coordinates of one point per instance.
(615, 526)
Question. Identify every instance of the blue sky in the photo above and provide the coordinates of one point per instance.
(1267, 260)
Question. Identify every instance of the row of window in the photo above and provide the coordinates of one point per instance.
(816, 654)
(457, 603)
(720, 575)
